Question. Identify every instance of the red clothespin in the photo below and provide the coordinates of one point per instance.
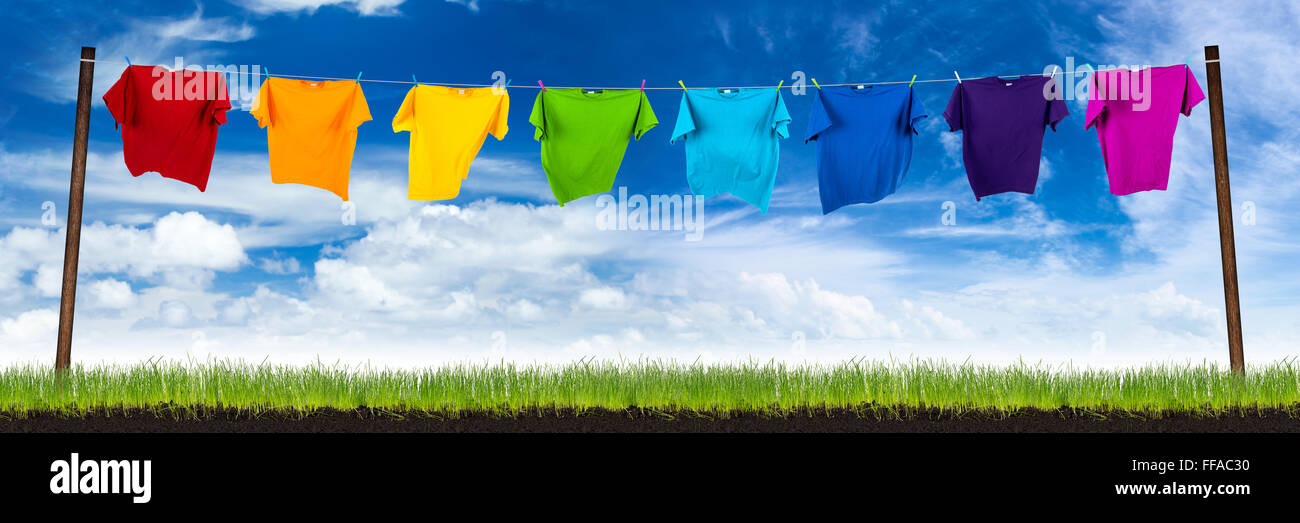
(539, 82)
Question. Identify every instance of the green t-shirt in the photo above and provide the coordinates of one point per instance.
(584, 135)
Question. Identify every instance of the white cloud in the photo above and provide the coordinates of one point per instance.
(472, 5)
(603, 298)
(33, 325)
(362, 7)
(154, 41)
(182, 249)
(49, 280)
(198, 28)
(110, 293)
(175, 314)
(279, 265)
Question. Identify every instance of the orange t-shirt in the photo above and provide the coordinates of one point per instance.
(311, 130)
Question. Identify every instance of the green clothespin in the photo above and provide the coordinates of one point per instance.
(679, 82)
(909, 84)
(819, 87)
(778, 86)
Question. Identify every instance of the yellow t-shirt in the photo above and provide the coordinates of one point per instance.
(448, 126)
(311, 130)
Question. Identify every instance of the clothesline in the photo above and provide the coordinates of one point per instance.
(777, 86)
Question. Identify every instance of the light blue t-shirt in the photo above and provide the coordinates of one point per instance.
(732, 141)
(864, 141)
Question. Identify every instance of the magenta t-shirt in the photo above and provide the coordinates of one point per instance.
(1137, 132)
(1002, 123)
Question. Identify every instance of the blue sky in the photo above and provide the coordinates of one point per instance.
(250, 269)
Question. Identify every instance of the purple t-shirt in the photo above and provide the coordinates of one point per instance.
(1002, 125)
(1136, 114)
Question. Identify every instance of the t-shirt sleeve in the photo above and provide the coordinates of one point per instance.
(685, 121)
(1192, 94)
(818, 120)
(500, 123)
(118, 99)
(217, 108)
(262, 105)
(538, 117)
(953, 113)
(917, 111)
(1056, 110)
(404, 120)
(1096, 102)
(360, 109)
(645, 118)
(781, 117)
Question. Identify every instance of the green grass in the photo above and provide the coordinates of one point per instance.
(773, 388)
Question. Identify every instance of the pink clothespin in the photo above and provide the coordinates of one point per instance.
(539, 82)
(643, 85)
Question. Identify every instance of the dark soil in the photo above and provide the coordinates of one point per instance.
(646, 420)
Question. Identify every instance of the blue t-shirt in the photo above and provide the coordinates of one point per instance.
(732, 141)
(864, 141)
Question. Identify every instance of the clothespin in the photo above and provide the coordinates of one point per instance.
(1187, 64)
(128, 60)
(414, 81)
(643, 85)
(267, 71)
(909, 84)
(954, 73)
(507, 82)
(819, 87)
(539, 82)
(778, 86)
(1055, 68)
(679, 82)
(358, 76)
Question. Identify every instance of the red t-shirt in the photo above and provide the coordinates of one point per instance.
(169, 120)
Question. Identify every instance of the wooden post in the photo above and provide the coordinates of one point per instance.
(76, 191)
(1227, 244)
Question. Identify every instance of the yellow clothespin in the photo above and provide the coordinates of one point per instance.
(679, 82)
(778, 86)
(909, 84)
(819, 87)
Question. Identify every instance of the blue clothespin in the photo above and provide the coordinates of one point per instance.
(266, 71)
(128, 60)
(1188, 63)
(358, 76)
(413, 80)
